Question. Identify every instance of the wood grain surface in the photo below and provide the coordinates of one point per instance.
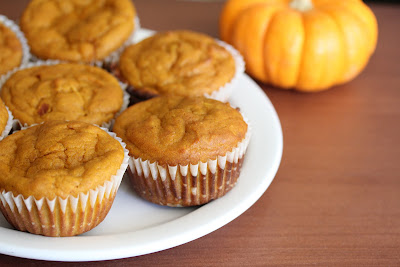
(335, 200)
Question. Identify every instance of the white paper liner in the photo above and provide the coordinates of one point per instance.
(26, 55)
(17, 124)
(18, 204)
(9, 125)
(225, 91)
(155, 171)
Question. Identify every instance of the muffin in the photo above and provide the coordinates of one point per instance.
(59, 178)
(64, 91)
(184, 151)
(180, 62)
(77, 31)
(13, 48)
(6, 120)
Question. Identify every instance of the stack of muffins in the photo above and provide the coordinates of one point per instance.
(64, 117)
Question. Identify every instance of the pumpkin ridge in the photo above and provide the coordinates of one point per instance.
(345, 49)
(345, 77)
(278, 69)
(266, 72)
(302, 52)
(230, 14)
(257, 70)
(349, 7)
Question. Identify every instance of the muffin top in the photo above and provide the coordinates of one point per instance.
(62, 92)
(58, 159)
(77, 30)
(177, 62)
(10, 49)
(3, 116)
(180, 130)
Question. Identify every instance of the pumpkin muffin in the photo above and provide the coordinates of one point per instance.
(13, 47)
(78, 31)
(183, 151)
(67, 91)
(6, 120)
(180, 62)
(59, 178)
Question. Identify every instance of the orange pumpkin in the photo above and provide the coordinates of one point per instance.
(308, 45)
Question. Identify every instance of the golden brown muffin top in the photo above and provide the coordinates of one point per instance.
(58, 159)
(3, 117)
(10, 49)
(177, 62)
(73, 30)
(177, 130)
(62, 92)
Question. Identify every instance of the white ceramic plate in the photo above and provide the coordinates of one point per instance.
(135, 227)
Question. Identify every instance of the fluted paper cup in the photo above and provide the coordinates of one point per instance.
(71, 216)
(188, 185)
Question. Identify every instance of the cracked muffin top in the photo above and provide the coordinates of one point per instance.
(177, 62)
(58, 158)
(3, 116)
(10, 49)
(79, 31)
(180, 130)
(62, 92)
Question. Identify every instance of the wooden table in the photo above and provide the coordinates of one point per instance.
(336, 197)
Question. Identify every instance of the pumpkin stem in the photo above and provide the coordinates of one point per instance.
(301, 5)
